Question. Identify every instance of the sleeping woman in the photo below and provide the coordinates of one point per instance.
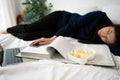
(94, 27)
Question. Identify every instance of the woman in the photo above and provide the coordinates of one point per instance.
(94, 27)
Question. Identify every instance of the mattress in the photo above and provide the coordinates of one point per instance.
(54, 70)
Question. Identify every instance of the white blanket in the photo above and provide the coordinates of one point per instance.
(9, 41)
(53, 70)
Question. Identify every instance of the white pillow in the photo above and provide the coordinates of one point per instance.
(113, 12)
(86, 9)
(78, 9)
(82, 9)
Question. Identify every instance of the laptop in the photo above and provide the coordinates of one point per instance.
(8, 56)
(1, 55)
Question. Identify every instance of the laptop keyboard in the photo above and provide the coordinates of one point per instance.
(10, 56)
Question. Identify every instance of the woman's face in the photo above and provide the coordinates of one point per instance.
(107, 34)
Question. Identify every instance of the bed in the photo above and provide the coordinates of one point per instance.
(55, 70)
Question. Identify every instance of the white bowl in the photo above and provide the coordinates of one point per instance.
(77, 60)
(83, 61)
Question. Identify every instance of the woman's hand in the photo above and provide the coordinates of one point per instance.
(43, 41)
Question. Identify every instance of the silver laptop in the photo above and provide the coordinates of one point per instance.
(8, 56)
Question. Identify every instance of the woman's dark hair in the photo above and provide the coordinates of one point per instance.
(97, 39)
(117, 34)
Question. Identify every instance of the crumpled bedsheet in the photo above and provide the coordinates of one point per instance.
(54, 70)
(9, 41)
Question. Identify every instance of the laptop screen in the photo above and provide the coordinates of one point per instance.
(1, 55)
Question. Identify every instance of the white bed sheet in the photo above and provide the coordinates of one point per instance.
(53, 70)
(9, 41)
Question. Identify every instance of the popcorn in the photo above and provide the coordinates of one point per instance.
(81, 53)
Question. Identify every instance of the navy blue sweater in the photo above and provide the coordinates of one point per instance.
(84, 27)
(81, 26)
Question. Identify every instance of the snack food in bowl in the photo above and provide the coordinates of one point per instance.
(82, 55)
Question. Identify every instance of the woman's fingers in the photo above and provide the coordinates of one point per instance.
(33, 43)
(42, 41)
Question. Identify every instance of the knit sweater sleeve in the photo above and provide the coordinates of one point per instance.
(115, 50)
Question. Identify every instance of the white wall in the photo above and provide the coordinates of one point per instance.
(82, 6)
(19, 6)
(69, 4)
(73, 4)
(85, 6)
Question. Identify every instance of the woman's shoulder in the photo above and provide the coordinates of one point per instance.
(100, 13)
(64, 11)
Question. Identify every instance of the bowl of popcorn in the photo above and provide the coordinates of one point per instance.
(82, 55)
